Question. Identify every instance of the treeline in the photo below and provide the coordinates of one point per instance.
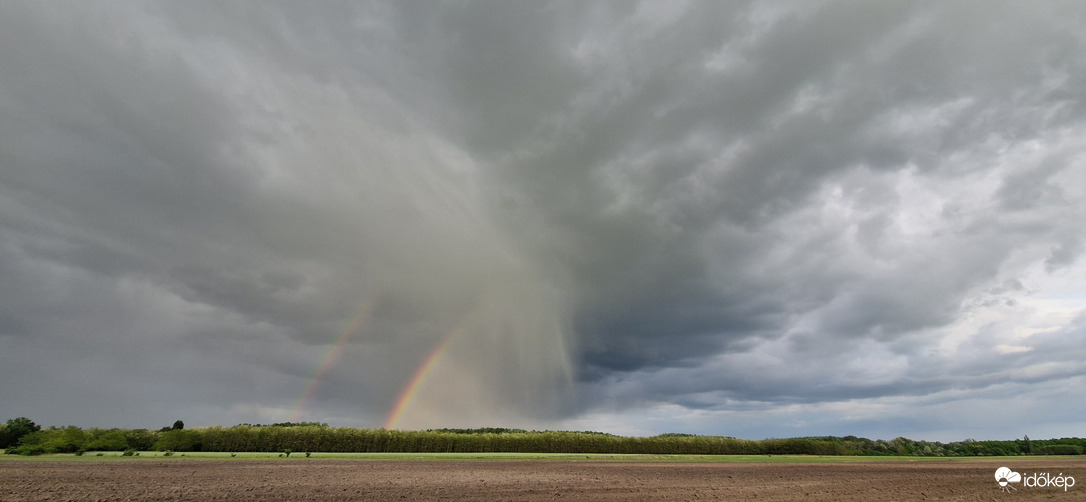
(321, 438)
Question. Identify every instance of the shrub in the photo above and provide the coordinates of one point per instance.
(129, 452)
(26, 449)
(167, 453)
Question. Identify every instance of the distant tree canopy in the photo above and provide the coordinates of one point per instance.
(481, 430)
(290, 424)
(319, 437)
(177, 426)
(15, 428)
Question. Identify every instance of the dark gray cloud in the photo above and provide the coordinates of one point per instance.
(754, 218)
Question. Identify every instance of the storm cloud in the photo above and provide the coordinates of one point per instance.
(757, 219)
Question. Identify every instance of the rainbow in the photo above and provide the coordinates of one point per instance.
(330, 358)
(408, 393)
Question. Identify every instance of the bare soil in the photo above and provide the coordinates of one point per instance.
(338, 480)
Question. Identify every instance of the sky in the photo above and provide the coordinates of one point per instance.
(745, 218)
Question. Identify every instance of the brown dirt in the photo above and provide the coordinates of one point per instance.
(337, 480)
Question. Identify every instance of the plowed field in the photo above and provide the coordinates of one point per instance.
(423, 480)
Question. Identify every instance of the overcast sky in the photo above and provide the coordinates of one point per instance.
(755, 219)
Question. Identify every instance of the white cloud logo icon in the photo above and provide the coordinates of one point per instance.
(1004, 476)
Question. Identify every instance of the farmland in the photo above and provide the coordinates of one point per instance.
(317, 462)
(203, 476)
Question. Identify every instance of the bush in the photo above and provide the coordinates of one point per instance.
(129, 452)
(167, 453)
(26, 450)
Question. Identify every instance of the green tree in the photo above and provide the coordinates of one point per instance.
(903, 446)
(111, 440)
(140, 439)
(179, 440)
(15, 429)
(68, 439)
(178, 425)
(1060, 449)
